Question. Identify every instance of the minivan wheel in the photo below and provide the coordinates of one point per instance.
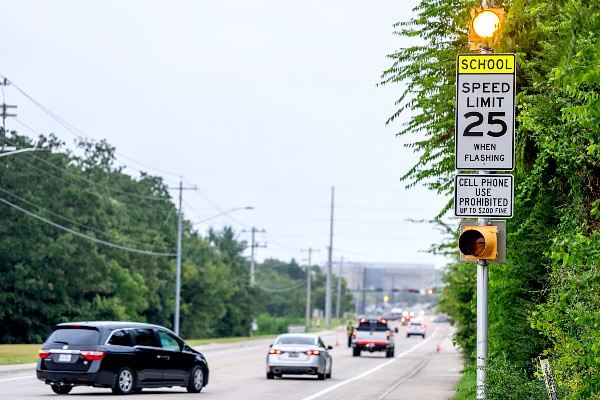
(61, 389)
(196, 380)
(124, 381)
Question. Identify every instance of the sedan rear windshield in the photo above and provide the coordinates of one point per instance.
(74, 336)
(295, 340)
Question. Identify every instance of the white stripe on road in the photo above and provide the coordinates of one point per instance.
(17, 379)
(369, 372)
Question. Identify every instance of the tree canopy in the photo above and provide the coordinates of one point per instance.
(543, 300)
(83, 240)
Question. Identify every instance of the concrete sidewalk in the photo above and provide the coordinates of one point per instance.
(435, 379)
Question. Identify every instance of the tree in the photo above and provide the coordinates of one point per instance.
(542, 300)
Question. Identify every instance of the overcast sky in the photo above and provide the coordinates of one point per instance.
(257, 103)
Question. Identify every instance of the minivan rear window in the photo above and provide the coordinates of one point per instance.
(66, 335)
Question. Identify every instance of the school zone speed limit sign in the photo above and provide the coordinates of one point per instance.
(485, 112)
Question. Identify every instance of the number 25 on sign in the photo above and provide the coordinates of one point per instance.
(485, 104)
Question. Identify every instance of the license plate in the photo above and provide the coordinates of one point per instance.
(293, 354)
(64, 358)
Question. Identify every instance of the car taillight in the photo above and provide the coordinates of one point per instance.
(44, 353)
(274, 351)
(92, 355)
(313, 352)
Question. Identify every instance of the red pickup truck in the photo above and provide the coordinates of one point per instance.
(371, 335)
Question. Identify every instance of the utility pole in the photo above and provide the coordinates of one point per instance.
(329, 267)
(178, 274)
(252, 247)
(392, 294)
(338, 302)
(364, 292)
(356, 292)
(4, 113)
(308, 286)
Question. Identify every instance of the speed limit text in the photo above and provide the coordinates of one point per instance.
(483, 88)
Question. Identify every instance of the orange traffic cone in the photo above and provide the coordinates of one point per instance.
(437, 348)
(337, 341)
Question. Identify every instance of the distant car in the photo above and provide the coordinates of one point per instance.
(123, 356)
(415, 328)
(299, 354)
(441, 318)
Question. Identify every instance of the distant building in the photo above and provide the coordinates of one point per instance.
(371, 281)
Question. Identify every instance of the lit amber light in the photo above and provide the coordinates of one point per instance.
(486, 23)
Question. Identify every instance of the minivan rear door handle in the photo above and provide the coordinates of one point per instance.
(163, 357)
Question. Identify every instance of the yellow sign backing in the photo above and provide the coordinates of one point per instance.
(486, 63)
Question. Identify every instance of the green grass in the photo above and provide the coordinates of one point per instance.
(466, 386)
(18, 353)
(202, 342)
(28, 353)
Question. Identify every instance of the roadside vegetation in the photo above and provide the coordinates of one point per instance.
(84, 240)
(544, 298)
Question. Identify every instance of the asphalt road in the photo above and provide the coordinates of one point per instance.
(421, 369)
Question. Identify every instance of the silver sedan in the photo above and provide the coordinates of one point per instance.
(299, 354)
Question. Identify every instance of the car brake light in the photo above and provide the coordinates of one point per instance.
(363, 320)
(383, 321)
(274, 351)
(44, 353)
(92, 355)
(313, 352)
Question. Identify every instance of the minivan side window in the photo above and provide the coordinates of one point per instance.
(120, 338)
(168, 341)
(144, 337)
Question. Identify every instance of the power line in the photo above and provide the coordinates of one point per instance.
(89, 181)
(64, 218)
(71, 128)
(294, 286)
(116, 246)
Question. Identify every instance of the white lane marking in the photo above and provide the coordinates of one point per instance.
(17, 379)
(369, 372)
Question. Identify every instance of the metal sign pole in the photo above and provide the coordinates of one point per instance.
(482, 318)
(482, 327)
(484, 142)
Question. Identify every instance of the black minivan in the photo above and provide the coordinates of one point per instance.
(123, 356)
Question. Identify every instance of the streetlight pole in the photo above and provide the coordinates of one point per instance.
(26, 150)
